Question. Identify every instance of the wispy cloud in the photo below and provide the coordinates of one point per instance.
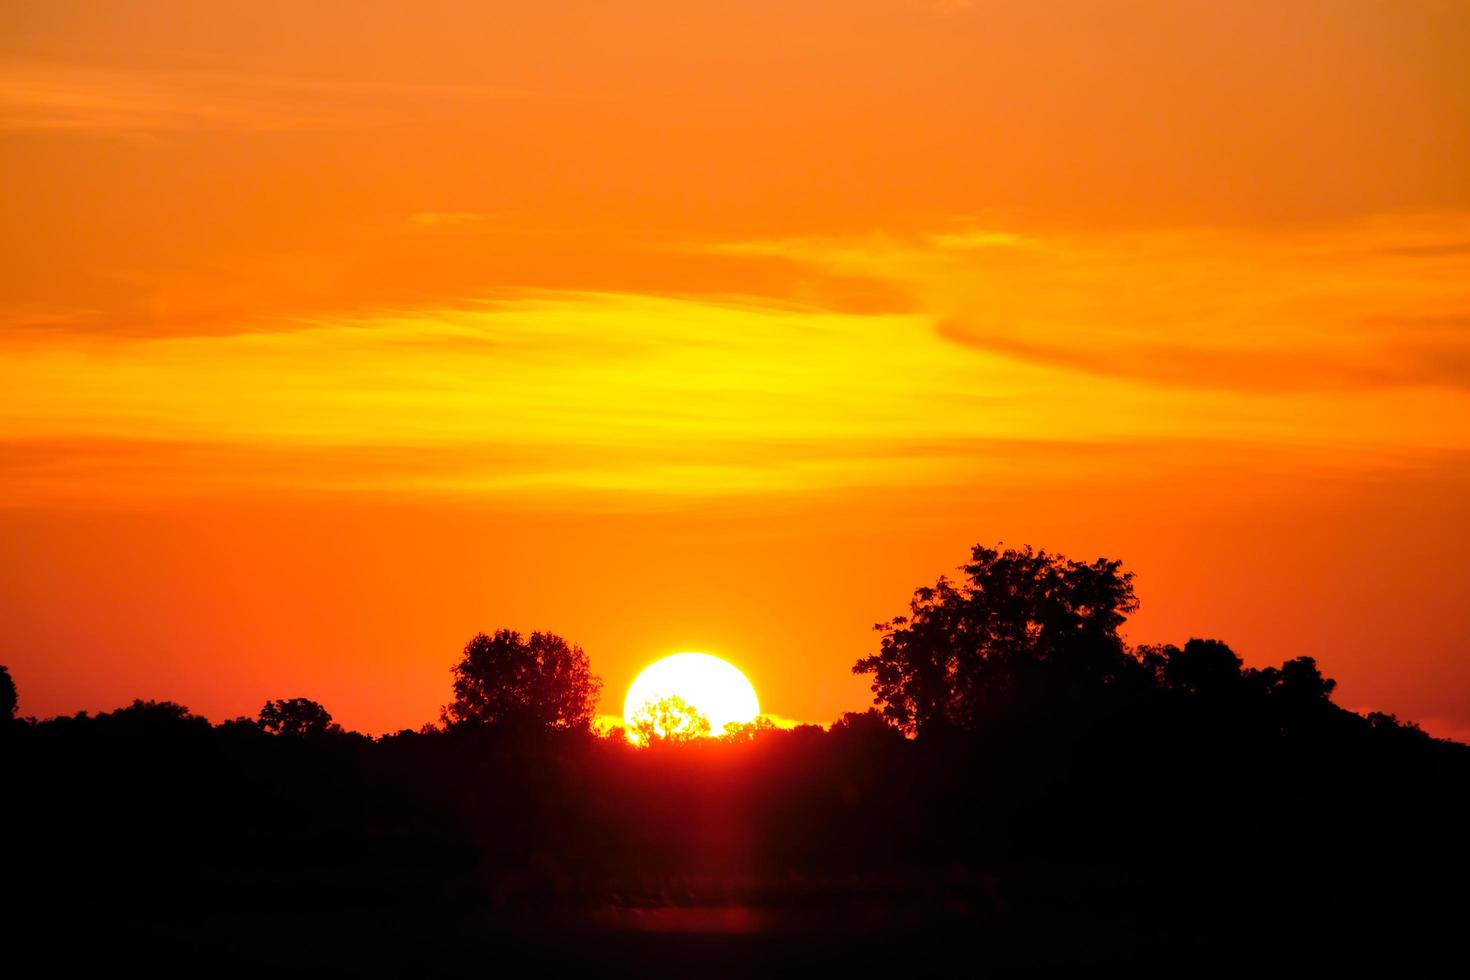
(59, 96)
(1356, 305)
(43, 317)
(607, 393)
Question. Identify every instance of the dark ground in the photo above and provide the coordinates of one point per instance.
(171, 846)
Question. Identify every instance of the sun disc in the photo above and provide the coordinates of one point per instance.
(715, 687)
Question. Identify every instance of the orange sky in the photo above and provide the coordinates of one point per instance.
(332, 333)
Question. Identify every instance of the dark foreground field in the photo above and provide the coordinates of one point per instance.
(1393, 914)
(162, 843)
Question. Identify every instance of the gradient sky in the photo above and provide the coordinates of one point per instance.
(333, 333)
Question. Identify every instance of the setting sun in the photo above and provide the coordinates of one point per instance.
(1049, 402)
(714, 688)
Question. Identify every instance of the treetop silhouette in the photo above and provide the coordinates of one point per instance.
(538, 681)
(7, 695)
(296, 717)
(670, 719)
(1023, 627)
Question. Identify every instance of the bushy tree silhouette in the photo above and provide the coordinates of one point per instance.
(867, 725)
(540, 681)
(1299, 681)
(1024, 628)
(297, 717)
(1207, 668)
(738, 732)
(7, 696)
(152, 718)
(670, 719)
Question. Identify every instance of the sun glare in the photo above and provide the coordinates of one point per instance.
(711, 686)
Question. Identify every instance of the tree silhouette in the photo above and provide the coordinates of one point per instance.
(867, 725)
(7, 695)
(741, 732)
(1204, 667)
(152, 718)
(540, 681)
(1300, 682)
(297, 717)
(1023, 628)
(670, 719)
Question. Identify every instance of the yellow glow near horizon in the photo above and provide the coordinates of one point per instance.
(715, 687)
(305, 303)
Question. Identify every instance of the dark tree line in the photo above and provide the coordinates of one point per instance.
(1024, 776)
(1031, 638)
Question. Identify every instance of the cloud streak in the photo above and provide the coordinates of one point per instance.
(1367, 304)
(39, 96)
(657, 396)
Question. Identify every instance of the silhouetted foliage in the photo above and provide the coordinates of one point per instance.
(151, 718)
(296, 717)
(742, 732)
(1024, 631)
(667, 720)
(1390, 726)
(866, 726)
(1301, 681)
(1205, 667)
(7, 696)
(537, 682)
(1086, 803)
